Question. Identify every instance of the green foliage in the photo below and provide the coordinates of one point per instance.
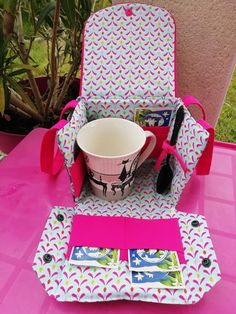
(102, 4)
(9, 71)
(49, 8)
(41, 37)
(8, 5)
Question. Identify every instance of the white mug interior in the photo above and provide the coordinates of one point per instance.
(111, 137)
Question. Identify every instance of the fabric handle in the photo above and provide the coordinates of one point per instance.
(51, 162)
(204, 164)
(190, 100)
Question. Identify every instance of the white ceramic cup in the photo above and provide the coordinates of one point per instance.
(112, 152)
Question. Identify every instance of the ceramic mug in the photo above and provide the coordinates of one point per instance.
(112, 152)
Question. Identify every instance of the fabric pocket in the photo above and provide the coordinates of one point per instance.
(161, 133)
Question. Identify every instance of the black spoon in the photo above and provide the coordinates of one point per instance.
(166, 173)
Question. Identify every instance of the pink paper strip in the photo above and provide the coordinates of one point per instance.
(126, 233)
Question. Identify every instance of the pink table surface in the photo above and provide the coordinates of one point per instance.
(26, 198)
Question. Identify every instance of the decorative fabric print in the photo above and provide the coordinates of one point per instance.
(129, 56)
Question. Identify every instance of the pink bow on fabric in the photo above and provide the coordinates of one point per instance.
(168, 149)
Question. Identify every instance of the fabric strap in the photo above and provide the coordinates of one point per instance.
(190, 100)
(204, 163)
(51, 162)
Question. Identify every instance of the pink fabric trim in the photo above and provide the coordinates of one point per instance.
(126, 233)
(49, 163)
(168, 149)
(78, 171)
(204, 163)
(190, 100)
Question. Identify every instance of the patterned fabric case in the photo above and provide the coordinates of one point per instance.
(67, 282)
(128, 62)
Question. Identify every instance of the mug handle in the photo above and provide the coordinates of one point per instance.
(149, 148)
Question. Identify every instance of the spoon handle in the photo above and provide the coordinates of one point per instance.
(165, 176)
(178, 121)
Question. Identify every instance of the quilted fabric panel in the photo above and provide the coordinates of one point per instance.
(129, 55)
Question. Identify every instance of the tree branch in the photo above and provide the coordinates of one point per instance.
(64, 89)
(76, 56)
(15, 101)
(53, 64)
(24, 58)
(32, 38)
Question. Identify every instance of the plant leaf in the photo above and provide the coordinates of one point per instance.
(49, 21)
(10, 6)
(87, 5)
(2, 97)
(17, 72)
(65, 21)
(3, 50)
(68, 8)
(22, 66)
(44, 14)
(19, 90)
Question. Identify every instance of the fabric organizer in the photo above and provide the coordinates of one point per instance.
(128, 62)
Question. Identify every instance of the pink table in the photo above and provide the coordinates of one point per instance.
(26, 198)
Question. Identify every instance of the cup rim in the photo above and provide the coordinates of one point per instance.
(113, 156)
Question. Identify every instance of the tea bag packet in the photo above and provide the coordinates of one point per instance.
(153, 260)
(158, 280)
(98, 257)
